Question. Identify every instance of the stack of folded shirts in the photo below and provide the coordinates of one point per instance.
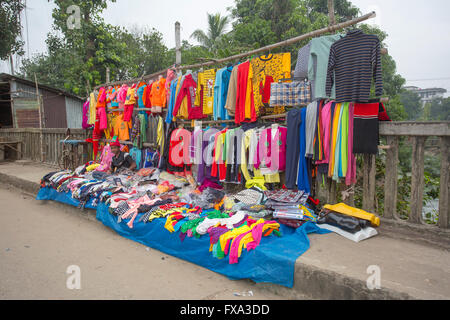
(351, 223)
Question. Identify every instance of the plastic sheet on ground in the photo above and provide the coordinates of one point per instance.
(63, 197)
(273, 261)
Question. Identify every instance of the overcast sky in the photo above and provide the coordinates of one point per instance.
(419, 37)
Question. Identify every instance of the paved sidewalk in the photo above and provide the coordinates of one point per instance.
(413, 263)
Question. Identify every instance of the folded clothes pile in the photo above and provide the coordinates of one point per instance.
(351, 223)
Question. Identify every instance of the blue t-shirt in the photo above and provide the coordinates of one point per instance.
(114, 102)
(140, 93)
(172, 99)
(136, 154)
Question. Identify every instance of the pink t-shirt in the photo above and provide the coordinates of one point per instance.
(122, 95)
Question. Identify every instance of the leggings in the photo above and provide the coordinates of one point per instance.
(303, 181)
(292, 147)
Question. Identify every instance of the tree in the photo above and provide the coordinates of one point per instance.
(10, 28)
(146, 53)
(412, 103)
(343, 9)
(217, 26)
(438, 109)
(89, 48)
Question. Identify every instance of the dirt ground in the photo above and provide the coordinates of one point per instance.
(40, 240)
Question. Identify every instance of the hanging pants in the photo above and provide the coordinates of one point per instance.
(292, 147)
(304, 173)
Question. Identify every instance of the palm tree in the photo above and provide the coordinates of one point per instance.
(216, 28)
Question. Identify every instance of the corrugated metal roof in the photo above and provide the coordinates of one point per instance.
(26, 113)
(5, 76)
(74, 109)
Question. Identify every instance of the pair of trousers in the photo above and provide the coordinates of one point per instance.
(304, 173)
(292, 147)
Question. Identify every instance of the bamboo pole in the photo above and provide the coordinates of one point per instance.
(285, 42)
(288, 42)
(39, 100)
(177, 44)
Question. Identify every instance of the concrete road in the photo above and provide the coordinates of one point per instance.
(39, 241)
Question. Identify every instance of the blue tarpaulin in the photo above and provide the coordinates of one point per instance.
(272, 261)
(63, 197)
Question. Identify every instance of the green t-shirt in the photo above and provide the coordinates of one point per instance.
(318, 64)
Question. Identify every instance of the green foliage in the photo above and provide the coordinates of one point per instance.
(217, 26)
(10, 28)
(412, 104)
(77, 59)
(88, 50)
(438, 110)
(395, 109)
(344, 9)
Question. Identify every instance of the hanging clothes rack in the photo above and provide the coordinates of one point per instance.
(211, 61)
(287, 42)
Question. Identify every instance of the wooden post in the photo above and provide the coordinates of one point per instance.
(331, 13)
(107, 74)
(177, 44)
(417, 179)
(322, 191)
(332, 193)
(391, 178)
(39, 100)
(444, 184)
(369, 172)
(11, 61)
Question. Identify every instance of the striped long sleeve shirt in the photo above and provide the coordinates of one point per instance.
(354, 61)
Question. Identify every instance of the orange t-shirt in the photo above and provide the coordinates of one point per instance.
(101, 98)
(158, 93)
(122, 128)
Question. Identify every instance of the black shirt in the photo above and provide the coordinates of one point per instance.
(354, 61)
(122, 160)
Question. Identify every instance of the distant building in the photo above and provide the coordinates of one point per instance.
(19, 107)
(426, 95)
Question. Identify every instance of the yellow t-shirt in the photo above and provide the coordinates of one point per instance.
(278, 66)
(248, 95)
(183, 110)
(92, 108)
(207, 80)
(198, 92)
(131, 96)
(111, 120)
